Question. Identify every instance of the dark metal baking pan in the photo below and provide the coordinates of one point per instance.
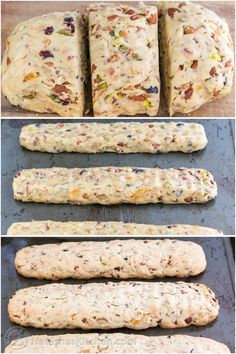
(219, 276)
(218, 158)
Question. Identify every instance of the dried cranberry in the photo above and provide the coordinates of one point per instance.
(137, 170)
(188, 320)
(171, 11)
(152, 89)
(68, 19)
(66, 101)
(194, 64)
(213, 72)
(46, 54)
(48, 30)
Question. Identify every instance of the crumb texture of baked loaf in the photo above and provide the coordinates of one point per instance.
(135, 305)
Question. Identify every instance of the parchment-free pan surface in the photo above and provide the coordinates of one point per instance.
(219, 276)
(218, 158)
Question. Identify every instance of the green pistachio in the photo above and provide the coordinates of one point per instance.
(102, 86)
(66, 32)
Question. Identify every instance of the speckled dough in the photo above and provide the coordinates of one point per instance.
(118, 137)
(49, 227)
(136, 305)
(43, 65)
(113, 259)
(197, 55)
(115, 343)
(124, 59)
(114, 185)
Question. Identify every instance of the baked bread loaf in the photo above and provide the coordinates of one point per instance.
(196, 55)
(144, 259)
(43, 65)
(136, 305)
(120, 137)
(124, 59)
(114, 185)
(49, 227)
(115, 343)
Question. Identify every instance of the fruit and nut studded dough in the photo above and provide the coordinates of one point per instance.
(196, 54)
(113, 259)
(124, 59)
(49, 227)
(136, 305)
(117, 137)
(115, 343)
(114, 185)
(43, 65)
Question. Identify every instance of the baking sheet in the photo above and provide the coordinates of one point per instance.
(219, 276)
(218, 158)
(14, 12)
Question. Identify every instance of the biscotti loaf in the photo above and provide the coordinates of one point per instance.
(136, 305)
(124, 59)
(196, 54)
(115, 343)
(114, 185)
(49, 227)
(118, 137)
(113, 259)
(43, 64)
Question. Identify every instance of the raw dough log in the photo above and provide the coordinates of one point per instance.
(197, 56)
(113, 259)
(43, 64)
(114, 137)
(49, 227)
(136, 305)
(115, 343)
(114, 185)
(124, 59)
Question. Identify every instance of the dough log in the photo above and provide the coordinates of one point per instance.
(49, 227)
(113, 259)
(114, 137)
(136, 305)
(115, 343)
(114, 185)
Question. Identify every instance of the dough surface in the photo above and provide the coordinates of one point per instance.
(43, 68)
(114, 185)
(117, 137)
(135, 305)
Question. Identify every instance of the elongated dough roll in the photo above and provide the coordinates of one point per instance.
(197, 55)
(115, 343)
(43, 67)
(118, 137)
(113, 259)
(50, 227)
(113, 185)
(124, 59)
(136, 305)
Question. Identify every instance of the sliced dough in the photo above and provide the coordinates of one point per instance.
(43, 65)
(118, 137)
(196, 55)
(136, 305)
(124, 59)
(113, 259)
(50, 227)
(113, 185)
(115, 343)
